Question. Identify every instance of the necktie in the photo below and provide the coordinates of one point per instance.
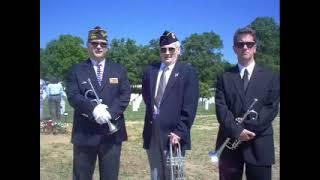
(161, 87)
(99, 74)
(245, 79)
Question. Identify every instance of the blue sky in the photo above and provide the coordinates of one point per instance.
(143, 20)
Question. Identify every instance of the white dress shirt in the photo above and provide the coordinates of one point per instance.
(168, 73)
(249, 69)
(95, 66)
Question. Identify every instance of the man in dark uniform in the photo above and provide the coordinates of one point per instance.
(170, 91)
(235, 92)
(91, 133)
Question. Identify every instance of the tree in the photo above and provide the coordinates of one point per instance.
(268, 47)
(60, 55)
(203, 52)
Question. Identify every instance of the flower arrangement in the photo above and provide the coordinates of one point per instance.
(50, 126)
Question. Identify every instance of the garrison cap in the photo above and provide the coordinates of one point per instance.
(167, 38)
(97, 33)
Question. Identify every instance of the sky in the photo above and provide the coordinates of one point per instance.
(143, 20)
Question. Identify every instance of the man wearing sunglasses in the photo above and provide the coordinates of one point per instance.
(91, 134)
(170, 92)
(236, 89)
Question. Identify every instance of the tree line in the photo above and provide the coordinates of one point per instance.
(203, 51)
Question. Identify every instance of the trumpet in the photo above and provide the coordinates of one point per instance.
(176, 162)
(112, 127)
(215, 155)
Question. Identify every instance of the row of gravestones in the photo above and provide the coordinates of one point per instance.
(136, 99)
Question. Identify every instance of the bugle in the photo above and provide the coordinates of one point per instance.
(176, 163)
(112, 127)
(215, 155)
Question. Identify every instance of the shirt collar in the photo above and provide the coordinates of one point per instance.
(249, 68)
(170, 66)
(95, 63)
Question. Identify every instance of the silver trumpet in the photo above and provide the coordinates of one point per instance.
(112, 127)
(215, 155)
(176, 162)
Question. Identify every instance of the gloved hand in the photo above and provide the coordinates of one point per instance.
(100, 114)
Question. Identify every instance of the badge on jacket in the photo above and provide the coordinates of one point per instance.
(113, 80)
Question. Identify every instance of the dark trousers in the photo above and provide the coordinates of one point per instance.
(231, 167)
(54, 107)
(84, 160)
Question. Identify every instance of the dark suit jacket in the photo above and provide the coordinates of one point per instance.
(231, 102)
(115, 93)
(178, 106)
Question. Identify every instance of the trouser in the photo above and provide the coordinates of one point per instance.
(159, 170)
(84, 160)
(232, 164)
(54, 107)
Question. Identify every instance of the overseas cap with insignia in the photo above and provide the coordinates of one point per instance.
(167, 38)
(97, 33)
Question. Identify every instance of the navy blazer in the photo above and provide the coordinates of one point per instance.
(178, 106)
(114, 92)
(232, 102)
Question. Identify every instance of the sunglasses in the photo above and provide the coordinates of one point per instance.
(171, 50)
(240, 45)
(95, 44)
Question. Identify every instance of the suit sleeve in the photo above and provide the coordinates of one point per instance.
(145, 87)
(75, 98)
(269, 108)
(190, 104)
(225, 117)
(120, 103)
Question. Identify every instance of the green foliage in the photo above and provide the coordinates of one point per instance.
(268, 49)
(59, 55)
(203, 51)
(133, 57)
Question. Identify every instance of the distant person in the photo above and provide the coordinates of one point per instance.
(54, 92)
(43, 95)
(91, 136)
(63, 103)
(170, 91)
(236, 90)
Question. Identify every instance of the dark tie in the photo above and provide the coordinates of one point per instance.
(161, 87)
(99, 74)
(245, 79)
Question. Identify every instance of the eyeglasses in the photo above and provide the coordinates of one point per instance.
(95, 44)
(171, 50)
(240, 45)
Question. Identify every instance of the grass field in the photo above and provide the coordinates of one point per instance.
(56, 150)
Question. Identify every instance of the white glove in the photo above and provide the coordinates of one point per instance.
(100, 114)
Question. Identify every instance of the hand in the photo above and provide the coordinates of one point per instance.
(100, 113)
(174, 139)
(246, 135)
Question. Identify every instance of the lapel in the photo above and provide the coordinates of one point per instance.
(253, 79)
(153, 79)
(237, 81)
(91, 73)
(172, 79)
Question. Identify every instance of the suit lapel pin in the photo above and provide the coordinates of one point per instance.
(84, 82)
(176, 74)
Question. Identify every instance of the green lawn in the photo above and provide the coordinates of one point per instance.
(56, 150)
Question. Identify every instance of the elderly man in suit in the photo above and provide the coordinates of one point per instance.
(170, 91)
(235, 92)
(92, 136)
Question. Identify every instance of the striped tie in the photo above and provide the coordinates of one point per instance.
(99, 74)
